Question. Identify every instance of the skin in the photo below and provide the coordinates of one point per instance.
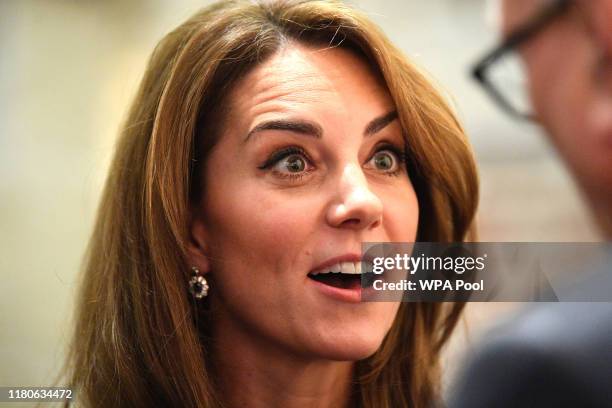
(278, 340)
(569, 67)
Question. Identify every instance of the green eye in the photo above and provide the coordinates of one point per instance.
(291, 163)
(294, 164)
(384, 160)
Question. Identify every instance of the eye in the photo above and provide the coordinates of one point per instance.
(384, 160)
(291, 162)
(387, 160)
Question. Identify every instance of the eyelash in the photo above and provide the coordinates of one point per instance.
(281, 154)
(276, 157)
(400, 156)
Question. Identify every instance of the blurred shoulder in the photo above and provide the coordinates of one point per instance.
(553, 355)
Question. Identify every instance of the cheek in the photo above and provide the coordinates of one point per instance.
(401, 215)
(561, 87)
(254, 226)
(565, 98)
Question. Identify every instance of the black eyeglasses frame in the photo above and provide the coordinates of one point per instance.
(512, 41)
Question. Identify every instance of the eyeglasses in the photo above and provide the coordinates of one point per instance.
(499, 72)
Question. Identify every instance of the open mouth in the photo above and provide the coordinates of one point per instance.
(346, 275)
(338, 280)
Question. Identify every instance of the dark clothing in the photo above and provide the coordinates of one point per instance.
(556, 355)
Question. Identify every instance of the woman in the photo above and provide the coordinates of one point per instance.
(266, 142)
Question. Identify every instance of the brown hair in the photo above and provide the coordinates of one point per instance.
(139, 339)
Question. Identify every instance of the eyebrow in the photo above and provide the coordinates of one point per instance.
(379, 123)
(312, 129)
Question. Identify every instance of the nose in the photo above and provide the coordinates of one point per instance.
(355, 206)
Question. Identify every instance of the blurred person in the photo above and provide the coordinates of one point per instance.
(267, 141)
(556, 355)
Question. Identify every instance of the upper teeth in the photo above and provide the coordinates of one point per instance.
(342, 267)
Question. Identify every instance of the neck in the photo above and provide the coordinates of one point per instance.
(252, 372)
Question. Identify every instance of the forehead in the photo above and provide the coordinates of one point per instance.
(299, 78)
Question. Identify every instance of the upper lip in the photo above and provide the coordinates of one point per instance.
(351, 257)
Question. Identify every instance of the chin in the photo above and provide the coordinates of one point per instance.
(350, 349)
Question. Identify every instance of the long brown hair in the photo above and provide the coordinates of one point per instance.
(139, 339)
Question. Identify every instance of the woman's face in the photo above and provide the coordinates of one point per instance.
(308, 167)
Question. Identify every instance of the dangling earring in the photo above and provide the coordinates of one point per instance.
(198, 286)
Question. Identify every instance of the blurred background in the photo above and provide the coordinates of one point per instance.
(68, 70)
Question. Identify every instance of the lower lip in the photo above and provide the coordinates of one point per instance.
(352, 295)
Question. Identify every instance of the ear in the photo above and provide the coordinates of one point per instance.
(197, 245)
